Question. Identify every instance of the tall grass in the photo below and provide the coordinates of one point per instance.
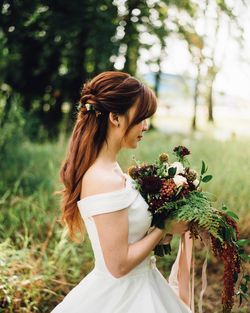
(38, 263)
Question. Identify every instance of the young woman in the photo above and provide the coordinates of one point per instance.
(100, 198)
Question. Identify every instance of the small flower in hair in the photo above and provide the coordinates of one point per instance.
(89, 107)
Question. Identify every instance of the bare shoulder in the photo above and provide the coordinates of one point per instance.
(98, 180)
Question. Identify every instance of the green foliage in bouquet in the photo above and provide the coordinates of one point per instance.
(172, 191)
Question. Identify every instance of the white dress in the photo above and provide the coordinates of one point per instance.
(144, 288)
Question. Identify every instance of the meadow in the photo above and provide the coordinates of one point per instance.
(39, 264)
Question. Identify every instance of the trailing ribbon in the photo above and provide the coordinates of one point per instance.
(205, 239)
(204, 284)
(192, 284)
(179, 278)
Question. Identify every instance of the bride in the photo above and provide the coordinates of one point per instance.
(102, 200)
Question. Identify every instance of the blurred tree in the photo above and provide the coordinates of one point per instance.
(130, 41)
(204, 47)
(195, 46)
(49, 49)
(157, 26)
(224, 17)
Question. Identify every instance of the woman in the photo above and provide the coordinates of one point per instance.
(113, 112)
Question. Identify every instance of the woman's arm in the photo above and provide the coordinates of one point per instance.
(121, 257)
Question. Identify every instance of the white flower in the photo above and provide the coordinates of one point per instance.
(196, 182)
(179, 168)
(179, 180)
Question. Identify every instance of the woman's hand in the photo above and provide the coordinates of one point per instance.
(166, 239)
(174, 227)
(171, 227)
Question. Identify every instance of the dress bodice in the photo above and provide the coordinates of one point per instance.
(139, 218)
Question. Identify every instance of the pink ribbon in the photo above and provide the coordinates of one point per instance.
(205, 239)
(179, 278)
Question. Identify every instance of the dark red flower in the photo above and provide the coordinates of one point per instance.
(181, 151)
(151, 184)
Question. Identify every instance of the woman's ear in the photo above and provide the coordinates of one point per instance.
(114, 119)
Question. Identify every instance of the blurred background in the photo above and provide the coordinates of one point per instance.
(193, 54)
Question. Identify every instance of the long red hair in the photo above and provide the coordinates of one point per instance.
(110, 91)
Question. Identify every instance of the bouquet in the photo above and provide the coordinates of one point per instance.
(173, 191)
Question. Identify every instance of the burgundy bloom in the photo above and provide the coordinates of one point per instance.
(181, 151)
(151, 184)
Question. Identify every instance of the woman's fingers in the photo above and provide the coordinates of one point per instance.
(176, 227)
(167, 239)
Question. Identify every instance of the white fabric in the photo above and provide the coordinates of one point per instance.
(143, 289)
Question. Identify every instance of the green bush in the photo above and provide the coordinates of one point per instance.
(12, 158)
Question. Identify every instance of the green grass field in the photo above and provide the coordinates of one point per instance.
(39, 264)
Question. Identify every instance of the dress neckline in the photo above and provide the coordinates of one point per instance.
(127, 181)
